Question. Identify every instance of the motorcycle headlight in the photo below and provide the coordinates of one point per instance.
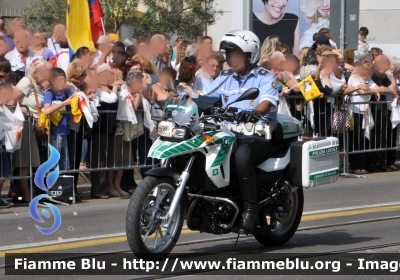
(168, 129)
(165, 128)
(179, 133)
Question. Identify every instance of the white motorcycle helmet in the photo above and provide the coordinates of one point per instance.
(244, 40)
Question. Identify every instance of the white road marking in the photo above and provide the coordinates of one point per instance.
(350, 208)
(45, 243)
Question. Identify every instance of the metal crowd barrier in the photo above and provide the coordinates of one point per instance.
(352, 140)
(111, 153)
(105, 149)
(8, 159)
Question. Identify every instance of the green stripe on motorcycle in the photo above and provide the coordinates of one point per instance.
(224, 148)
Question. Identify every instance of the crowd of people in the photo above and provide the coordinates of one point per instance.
(38, 73)
(362, 75)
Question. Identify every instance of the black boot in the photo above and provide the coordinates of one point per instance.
(248, 188)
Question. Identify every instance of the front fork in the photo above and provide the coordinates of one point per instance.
(181, 185)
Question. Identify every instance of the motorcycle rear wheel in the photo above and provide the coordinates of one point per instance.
(146, 234)
(283, 232)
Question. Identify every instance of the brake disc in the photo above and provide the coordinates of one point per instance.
(286, 198)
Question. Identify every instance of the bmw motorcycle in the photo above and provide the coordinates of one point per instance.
(197, 183)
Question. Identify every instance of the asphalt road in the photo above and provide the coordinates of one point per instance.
(353, 214)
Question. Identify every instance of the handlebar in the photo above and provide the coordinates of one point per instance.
(222, 114)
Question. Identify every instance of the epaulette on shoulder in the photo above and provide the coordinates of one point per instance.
(263, 72)
(227, 72)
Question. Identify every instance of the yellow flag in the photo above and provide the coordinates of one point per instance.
(44, 121)
(79, 32)
(55, 117)
(76, 112)
(309, 89)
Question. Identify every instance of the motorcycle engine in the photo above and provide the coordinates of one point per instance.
(210, 216)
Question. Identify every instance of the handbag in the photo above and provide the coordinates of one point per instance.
(340, 118)
(395, 116)
(63, 189)
(133, 131)
(13, 124)
(41, 132)
(283, 107)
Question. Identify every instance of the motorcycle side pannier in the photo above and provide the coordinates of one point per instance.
(314, 162)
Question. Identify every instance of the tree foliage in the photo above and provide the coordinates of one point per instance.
(186, 17)
(169, 17)
(119, 12)
(44, 14)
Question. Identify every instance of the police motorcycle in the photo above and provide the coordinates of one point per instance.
(196, 182)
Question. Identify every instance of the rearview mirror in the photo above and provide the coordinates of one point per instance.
(250, 94)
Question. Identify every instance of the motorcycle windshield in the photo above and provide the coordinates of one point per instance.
(182, 110)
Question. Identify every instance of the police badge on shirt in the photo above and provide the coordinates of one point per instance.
(226, 98)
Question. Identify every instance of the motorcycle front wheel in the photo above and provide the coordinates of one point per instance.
(286, 224)
(147, 234)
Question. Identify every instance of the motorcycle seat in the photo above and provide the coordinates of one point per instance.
(278, 150)
(278, 147)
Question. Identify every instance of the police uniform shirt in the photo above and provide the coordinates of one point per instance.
(235, 86)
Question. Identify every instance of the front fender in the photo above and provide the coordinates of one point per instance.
(167, 172)
(163, 172)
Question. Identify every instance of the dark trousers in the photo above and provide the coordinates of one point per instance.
(99, 147)
(75, 143)
(357, 142)
(322, 117)
(140, 150)
(250, 151)
(378, 137)
(391, 143)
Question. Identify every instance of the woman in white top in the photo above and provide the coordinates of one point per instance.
(393, 73)
(24, 93)
(360, 87)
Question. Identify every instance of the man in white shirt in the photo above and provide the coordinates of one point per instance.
(63, 56)
(206, 74)
(393, 73)
(21, 58)
(106, 78)
(53, 43)
(103, 46)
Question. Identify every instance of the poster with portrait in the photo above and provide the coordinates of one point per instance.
(293, 21)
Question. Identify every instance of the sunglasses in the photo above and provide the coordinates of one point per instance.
(137, 69)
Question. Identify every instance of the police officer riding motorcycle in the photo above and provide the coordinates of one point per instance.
(214, 159)
(242, 53)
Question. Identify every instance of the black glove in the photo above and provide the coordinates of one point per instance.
(246, 117)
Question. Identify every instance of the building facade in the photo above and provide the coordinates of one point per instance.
(381, 18)
(13, 8)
